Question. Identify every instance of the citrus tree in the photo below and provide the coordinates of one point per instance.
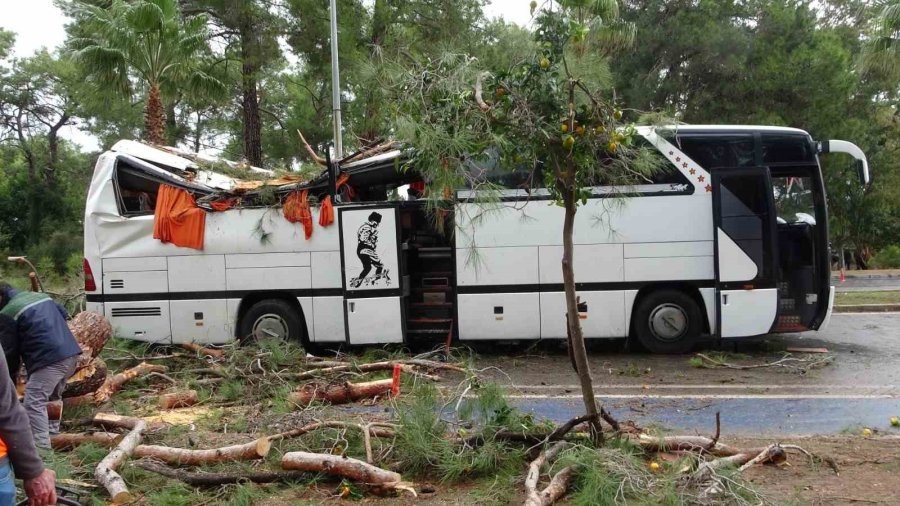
(549, 112)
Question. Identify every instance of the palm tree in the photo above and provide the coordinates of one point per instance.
(883, 49)
(146, 41)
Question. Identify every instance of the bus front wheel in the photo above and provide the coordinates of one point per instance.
(668, 321)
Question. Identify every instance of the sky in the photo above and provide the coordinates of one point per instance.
(39, 23)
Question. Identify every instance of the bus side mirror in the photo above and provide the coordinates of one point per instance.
(835, 146)
(862, 172)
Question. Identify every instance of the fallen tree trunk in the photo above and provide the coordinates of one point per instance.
(345, 467)
(91, 331)
(187, 457)
(202, 350)
(86, 379)
(216, 479)
(106, 473)
(340, 394)
(67, 441)
(175, 400)
(113, 384)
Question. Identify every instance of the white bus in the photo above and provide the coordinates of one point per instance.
(731, 242)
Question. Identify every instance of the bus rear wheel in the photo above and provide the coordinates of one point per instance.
(272, 319)
(668, 321)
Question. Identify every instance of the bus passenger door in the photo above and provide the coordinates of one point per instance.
(746, 277)
(372, 280)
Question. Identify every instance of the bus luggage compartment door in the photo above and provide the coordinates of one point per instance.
(372, 280)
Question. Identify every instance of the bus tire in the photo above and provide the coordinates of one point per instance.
(668, 322)
(272, 319)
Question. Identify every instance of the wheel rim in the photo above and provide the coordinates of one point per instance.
(668, 322)
(271, 326)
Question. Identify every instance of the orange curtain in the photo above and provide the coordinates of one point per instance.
(177, 218)
(296, 209)
(326, 212)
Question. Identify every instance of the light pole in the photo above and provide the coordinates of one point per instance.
(336, 85)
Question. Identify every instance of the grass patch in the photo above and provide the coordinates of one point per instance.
(854, 298)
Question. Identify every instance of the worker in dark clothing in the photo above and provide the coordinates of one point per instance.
(17, 447)
(33, 329)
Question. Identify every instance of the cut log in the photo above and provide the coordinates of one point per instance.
(87, 379)
(91, 330)
(253, 450)
(113, 384)
(54, 410)
(68, 441)
(176, 400)
(206, 352)
(340, 394)
(345, 467)
(113, 421)
(217, 479)
(105, 472)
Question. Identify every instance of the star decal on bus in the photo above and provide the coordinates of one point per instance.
(693, 171)
(701, 178)
(709, 188)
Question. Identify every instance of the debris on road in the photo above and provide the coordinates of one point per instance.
(794, 349)
(797, 364)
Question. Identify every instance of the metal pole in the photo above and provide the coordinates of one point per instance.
(336, 84)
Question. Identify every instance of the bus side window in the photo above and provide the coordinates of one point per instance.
(712, 151)
(785, 148)
(136, 192)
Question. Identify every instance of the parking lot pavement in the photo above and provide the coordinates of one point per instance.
(859, 387)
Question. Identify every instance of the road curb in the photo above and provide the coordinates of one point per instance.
(867, 308)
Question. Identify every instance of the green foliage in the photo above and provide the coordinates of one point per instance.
(424, 448)
(781, 62)
(887, 258)
(882, 51)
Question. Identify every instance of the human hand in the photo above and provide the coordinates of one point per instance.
(41, 490)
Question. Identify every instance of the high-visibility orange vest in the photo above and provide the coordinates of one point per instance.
(2, 449)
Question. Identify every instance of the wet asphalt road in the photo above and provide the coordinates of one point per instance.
(867, 283)
(860, 387)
